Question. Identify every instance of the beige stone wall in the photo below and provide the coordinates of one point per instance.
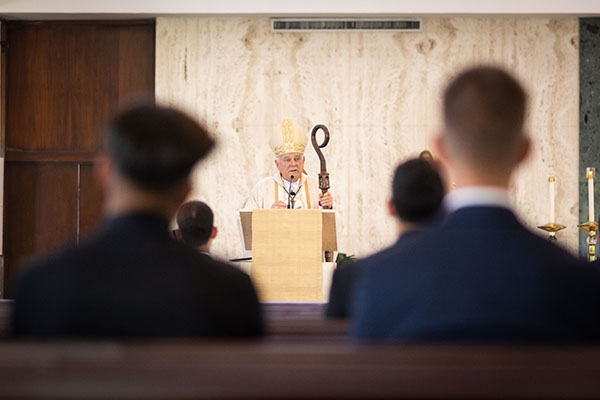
(379, 94)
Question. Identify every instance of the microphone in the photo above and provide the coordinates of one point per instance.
(290, 192)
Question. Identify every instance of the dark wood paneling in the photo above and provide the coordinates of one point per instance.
(5, 315)
(67, 71)
(283, 322)
(66, 80)
(202, 369)
(50, 156)
(41, 203)
(136, 80)
(90, 200)
(2, 86)
(2, 141)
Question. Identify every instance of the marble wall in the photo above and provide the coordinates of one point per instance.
(589, 116)
(379, 94)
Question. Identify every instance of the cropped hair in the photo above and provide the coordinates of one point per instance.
(156, 147)
(484, 111)
(417, 191)
(195, 220)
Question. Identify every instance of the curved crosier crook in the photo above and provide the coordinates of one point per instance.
(323, 175)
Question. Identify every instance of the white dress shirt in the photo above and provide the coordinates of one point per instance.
(471, 196)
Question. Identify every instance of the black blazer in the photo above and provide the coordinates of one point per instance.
(132, 279)
(481, 277)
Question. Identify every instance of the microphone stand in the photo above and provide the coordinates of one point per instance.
(290, 193)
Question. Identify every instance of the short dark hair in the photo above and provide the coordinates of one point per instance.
(195, 220)
(155, 147)
(417, 190)
(484, 112)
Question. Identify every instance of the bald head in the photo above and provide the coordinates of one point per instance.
(484, 112)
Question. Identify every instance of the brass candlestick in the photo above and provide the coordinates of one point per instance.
(592, 228)
(552, 228)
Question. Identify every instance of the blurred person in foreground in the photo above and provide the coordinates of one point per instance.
(130, 279)
(483, 276)
(195, 221)
(417, 193)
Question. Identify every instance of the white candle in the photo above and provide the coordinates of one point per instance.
(551, 183)
(590, 177)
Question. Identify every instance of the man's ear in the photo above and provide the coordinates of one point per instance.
(102, 169)
(392, 208)
(214, 232)
(276, 164)
(524, 149)
(441, 147)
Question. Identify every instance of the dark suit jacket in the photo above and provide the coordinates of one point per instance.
(481, 277)
(132, 279)
(344, 276)
(340, 292)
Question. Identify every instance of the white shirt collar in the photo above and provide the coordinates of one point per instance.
(477, 196)
(294, 184)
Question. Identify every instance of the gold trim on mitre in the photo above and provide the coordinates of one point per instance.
(288, 138)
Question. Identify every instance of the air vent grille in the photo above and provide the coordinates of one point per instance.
(338, 24)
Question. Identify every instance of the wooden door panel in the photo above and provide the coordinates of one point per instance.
(57, 75)
(43, 214)
(65, 80)
(90, 201)
(136, 79)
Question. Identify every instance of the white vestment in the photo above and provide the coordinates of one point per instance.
(272, 188)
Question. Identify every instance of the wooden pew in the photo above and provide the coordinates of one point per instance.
(304, 357)
(294, 321)
(282, 320)
(5, 310)
(252, 370)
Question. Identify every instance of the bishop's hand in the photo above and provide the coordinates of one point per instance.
(279, 204)
(326, 200)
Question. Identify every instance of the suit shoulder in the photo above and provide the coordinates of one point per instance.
(229, 269)
(405, 246)
(375, 258)
(551, 249)
(62, 258)
(220, 270)
(346, 270)
(52, 277)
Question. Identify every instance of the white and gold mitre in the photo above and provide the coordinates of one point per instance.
(288, 138)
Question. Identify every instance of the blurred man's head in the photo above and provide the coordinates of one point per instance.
(196, 225)
(484, 112)
(417, 192)
(149, 153)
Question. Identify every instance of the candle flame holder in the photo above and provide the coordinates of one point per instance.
(552, 228)
(592, 228)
